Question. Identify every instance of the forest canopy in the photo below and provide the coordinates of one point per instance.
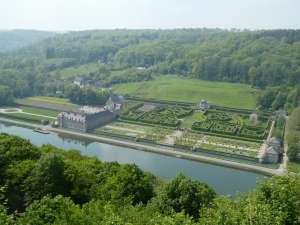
(106, 57)
(47, 185)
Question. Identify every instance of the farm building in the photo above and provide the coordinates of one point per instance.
(89, 118)
(271, 151)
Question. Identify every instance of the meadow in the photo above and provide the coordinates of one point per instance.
(39, 111)
(173, 88)
(52, 103)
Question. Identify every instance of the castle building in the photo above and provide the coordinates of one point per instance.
(89, 118)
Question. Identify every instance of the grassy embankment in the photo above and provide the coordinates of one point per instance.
(76, 71)
(192, 90)
(38, 108)
(39, 111)
(52, 103)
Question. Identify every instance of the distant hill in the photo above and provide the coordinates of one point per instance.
(266, 59)
(14, 39)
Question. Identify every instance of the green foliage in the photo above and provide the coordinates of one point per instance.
(46, 177)
(5, 219)
(6, 96)
(258, 58)
(16, 39)
(50, 211)
(293, 134)
(71, 189)
(87, 96)
(129, 182)
(283, 194)
(183, 89)
(162, 115)
(183, 194)
(248, 210)
(15, 149)
(230, 124)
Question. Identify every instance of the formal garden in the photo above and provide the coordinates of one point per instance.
(225, 131)
(164, 115)
(233, 124)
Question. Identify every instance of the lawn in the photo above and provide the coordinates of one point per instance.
(25, 117)
(78, 71)
(52, 103)
(50, 99)
(39, 111)
(187, 122)
(179, 89)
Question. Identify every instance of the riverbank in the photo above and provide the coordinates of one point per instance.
(157, 149)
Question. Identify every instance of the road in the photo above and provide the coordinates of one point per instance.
(157, 149)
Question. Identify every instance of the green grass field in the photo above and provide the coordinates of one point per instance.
(187, 122)
(79, 71)
(192, 90)
(51, 103)
(39, 111)
(50, 99)
(25, 117)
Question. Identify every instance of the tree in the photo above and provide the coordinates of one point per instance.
(247, 210)
(129, 183)
(6, 95)
(282, 194)
(56, 210)
(47, 177)
(5, 219)
(183, 194)
(267, 97)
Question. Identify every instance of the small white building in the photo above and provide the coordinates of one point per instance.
(79, 81)
(203, 105)
(114, 103)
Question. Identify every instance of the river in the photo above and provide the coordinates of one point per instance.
(224, 180)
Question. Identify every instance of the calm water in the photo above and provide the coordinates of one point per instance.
(223, 180)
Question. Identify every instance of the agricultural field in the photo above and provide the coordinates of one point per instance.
(173, 88)
(52, 103)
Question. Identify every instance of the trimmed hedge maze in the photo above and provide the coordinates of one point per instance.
(162, 115)
(231, 124)
(227, 123)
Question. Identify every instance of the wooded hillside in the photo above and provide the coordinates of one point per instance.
(107, 57)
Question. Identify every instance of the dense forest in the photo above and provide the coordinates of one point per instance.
(11, 40)
(267, 60)
(46, 185)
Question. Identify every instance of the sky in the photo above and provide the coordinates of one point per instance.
(66, 15)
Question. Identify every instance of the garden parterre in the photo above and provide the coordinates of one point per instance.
(215, 130)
